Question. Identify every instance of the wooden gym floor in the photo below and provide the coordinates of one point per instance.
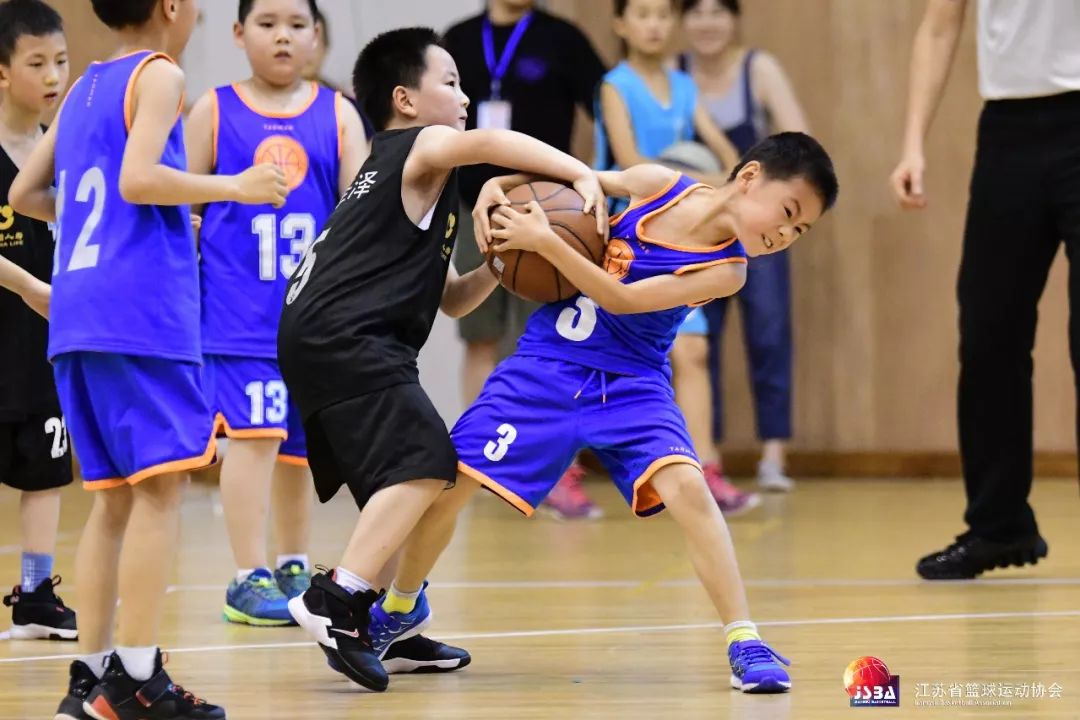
(604, 619)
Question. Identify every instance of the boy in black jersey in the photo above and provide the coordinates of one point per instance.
(34, 455)
(356, 314)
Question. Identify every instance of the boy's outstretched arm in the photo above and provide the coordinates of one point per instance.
(34, 292)
(440, 149)
(530, 231)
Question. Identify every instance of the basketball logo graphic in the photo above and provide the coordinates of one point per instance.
(868, 682)
(287, 154)
(618, 257)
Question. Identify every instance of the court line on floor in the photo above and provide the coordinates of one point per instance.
(791, 583)
(620, 630)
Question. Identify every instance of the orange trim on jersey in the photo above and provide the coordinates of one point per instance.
(702, 266)
(129, 95)
(183, 465)
(508, 495)
(215, 129)
(106, 484)
(645, 201)
(278, 115)
(222, 427)
(294, 460)
(338, 100)
(645, 497)
(673, 246)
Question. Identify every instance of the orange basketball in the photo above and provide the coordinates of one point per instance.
(528, 275)
(287, 154)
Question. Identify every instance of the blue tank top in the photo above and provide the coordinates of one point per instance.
(655, 126)
(249, 252)
(125, 277)
(580, 331)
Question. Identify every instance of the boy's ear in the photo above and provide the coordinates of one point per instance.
(169, 9)
(403, 103)
(749, 172)
(238, 34)
(619, 26)
(5, 76)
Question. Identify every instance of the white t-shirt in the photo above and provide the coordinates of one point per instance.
(1028, 48)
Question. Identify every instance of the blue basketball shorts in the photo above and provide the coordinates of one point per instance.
(696, 323)
(250, 400)
(534, 415)
(132, 417)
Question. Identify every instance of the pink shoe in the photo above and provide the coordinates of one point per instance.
(731, 500)
(568, 501)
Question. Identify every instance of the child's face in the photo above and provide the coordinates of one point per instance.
(279, 39)
(771, 214)
(710, 27)
(440, 100)
(183, 23)
(646, 26)
(38, 72)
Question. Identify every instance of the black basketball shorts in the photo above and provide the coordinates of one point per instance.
(35, 453)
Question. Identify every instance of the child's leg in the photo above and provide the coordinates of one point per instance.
(693, 393)
(293, 496)
(146, 560)
(39, 514)
(431, 535)
(97, 562)
(245, 496)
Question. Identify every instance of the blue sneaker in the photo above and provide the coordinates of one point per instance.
(293, 579)
(754, 668)
(387, 628)
(257, 601)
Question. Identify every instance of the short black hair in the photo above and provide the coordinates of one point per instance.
(396, 57)
(245, 9)
(621, 5)
(732, 6)
(25, 17)
(789, 155)
(119, 14)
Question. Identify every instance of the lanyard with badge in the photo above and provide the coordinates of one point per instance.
(495, 112)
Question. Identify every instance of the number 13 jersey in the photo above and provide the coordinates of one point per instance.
(249, 252)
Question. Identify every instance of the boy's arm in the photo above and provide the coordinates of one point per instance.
(715, 138)
(354, 144)
(199, 140)
(32, 193)
(463, 293)
(778, 95)
(440, 149)
(640, 181)
(530, 231)
(931, 59)
(158, 94)
(34, 292)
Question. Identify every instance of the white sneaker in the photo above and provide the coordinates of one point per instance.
(771, 477)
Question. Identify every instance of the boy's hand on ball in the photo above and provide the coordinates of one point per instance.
(528, 231)
(491, 196)
(588, 187)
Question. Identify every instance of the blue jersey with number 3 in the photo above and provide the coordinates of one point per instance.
(125, 276)
(249, 252)
(580, 331)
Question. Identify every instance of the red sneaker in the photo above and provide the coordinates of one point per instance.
(731, 500)
(568, 501)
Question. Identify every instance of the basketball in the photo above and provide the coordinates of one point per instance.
(527, 274)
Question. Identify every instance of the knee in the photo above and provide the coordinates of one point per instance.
(682, 487)
(452, 500)
(114, 504)
(689, 353)
(161, 490)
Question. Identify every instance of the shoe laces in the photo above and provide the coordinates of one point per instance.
(178, 689)
(293, 567)
(757, 652)
(264, 587)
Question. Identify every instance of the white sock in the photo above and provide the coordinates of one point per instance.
(302, 559)
(243, 573)
(96, 662)
(350, 581)
(138, 661)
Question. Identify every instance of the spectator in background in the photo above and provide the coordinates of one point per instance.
(647, 107)
(313, 71)
(747, 94)
(523, 70)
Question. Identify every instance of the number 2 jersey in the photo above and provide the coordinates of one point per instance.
(579, 331)
(249, 252)
(125, 276)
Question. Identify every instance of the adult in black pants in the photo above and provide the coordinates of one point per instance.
(1025, 200)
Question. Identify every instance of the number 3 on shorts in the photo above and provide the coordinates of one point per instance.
(495, 450)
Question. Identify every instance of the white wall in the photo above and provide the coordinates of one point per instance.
(212, 59)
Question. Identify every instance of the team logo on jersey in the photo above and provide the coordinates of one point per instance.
(287, 154)
(451, 225)
(618, 257)
(7, 217)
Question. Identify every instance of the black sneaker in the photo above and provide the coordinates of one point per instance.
(971, 555)
(40, 615)
(80, 685)
(121, 697)
(419, 654)
(338, 621)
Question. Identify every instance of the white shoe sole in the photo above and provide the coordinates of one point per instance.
(41, 632)
(404, 665)
(317, 626)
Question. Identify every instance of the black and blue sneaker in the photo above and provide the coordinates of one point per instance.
(754, 668)
(388, 628)
(420, 654)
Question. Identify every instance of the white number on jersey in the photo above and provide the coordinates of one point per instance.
(91, 188)
(56, 427)
(307, 264)
(297, 228)
(495, 450)
(577, 323)
(259, 393)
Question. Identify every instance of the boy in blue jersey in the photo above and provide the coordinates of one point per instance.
(125, 343)
(592, 371)
(247, 254)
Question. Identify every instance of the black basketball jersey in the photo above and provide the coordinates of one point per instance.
(362, 303)
(26, 378)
